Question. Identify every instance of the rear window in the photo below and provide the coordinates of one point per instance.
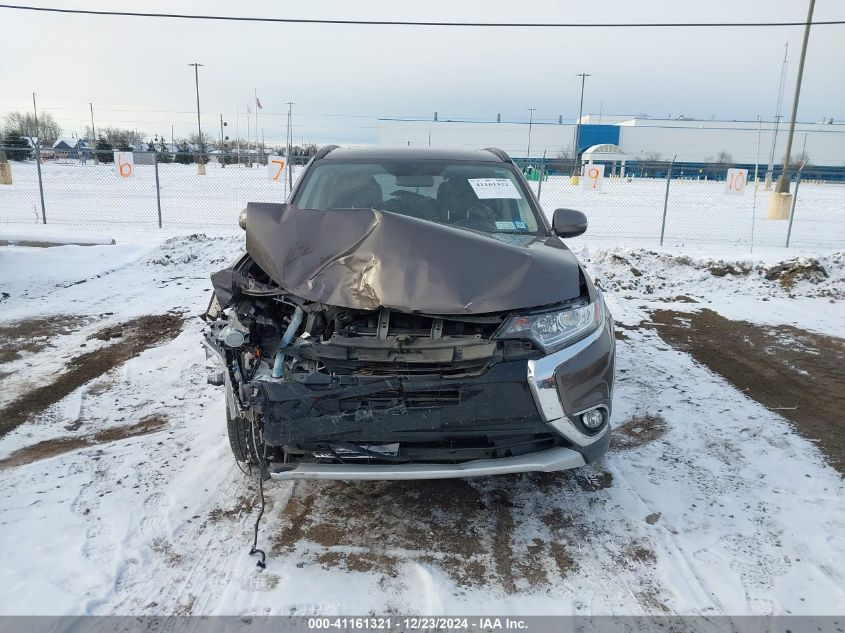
(480, 196)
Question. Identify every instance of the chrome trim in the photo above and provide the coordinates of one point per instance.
(551, 460)
(541, 380)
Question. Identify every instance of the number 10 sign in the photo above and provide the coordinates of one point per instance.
(736, 181)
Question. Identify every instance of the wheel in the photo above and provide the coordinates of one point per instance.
(241, 439)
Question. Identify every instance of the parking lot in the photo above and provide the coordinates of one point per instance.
(722, 491)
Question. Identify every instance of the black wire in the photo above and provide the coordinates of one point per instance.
(232, 18)
(262, 564)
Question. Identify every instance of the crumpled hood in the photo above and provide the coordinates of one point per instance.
(365, 259)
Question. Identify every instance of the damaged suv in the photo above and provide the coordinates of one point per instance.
(410, 314)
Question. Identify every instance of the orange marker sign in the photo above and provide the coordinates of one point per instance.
(736, 181)
(592, 177)
(124, 163)
(276, 168)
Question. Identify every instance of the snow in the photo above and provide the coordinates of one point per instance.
(751, 517)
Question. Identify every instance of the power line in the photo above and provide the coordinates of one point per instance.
(233, 18)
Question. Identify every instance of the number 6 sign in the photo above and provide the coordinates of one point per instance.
(592, 177)
(736, 181)
(124, 163)
(276, 168)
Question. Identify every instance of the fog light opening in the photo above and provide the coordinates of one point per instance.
(593, 419)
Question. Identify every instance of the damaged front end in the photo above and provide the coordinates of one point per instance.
(317, 390)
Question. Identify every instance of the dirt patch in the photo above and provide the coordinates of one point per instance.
(33, 335)
(735, 269)
(794, 270)
(469, 529)
(136, 336)
(796, 373)
(638, 431)
(60, 445)
(243, 505)
(593, 482)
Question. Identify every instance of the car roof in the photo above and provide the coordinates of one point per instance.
(410, 153)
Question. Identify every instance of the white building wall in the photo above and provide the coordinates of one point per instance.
(511, 137)
(692, 141)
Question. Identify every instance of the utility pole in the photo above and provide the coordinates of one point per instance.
(201, 166)
(93, 134)
(530, 123)
(783, 181)
(575, 152)
(778, 116)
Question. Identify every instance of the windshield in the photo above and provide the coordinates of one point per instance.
(481, 196)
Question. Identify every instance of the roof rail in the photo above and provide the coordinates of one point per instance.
(324, 150)
(499, 153)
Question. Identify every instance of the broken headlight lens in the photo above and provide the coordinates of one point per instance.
(554, 330)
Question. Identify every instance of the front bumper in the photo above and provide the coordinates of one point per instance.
(551, 460)
(510, 401)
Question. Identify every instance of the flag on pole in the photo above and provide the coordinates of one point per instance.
(248, 110)
(258, 103)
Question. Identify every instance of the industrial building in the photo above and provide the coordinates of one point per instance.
(641, 139)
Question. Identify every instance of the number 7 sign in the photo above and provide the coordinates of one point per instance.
(276, 168)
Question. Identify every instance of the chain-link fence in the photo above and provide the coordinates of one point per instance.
(156, 189)
(677, 204)
(644, 203)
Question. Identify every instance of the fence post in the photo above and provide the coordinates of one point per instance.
(794, 200)
(40, 183)
(542, 175)
(158, 188)
(666, 199)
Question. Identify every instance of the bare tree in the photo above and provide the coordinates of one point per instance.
(23, 123)
(796, 161)
(117, 136)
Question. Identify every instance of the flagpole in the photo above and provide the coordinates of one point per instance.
(255, 95)
(238, 133)
(248, 155)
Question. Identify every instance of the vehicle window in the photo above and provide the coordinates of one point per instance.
(481, 196)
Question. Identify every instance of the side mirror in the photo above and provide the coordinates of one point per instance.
(568, 222)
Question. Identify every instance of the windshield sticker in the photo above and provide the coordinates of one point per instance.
(488, 188)
(505, 226)
(522, 226)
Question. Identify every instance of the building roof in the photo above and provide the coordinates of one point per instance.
(411, 153)
(605, 151)
(69, 142)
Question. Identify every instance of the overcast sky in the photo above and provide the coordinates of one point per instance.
(135, 70)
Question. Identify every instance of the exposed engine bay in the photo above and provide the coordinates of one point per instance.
(323, 382)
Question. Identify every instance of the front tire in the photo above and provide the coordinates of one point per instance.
(241, 439)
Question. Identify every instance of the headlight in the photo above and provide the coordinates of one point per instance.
(242, 219)
(553, 330)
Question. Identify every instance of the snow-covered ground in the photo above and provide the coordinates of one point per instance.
(708, 503)
(699, 212)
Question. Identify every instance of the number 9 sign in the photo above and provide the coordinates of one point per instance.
(124, 163)
(736, 181)
(592, 177)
